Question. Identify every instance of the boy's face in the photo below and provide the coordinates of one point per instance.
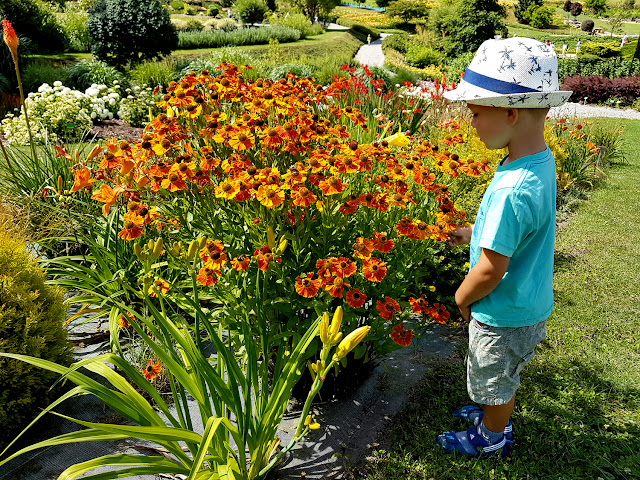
(492, 125)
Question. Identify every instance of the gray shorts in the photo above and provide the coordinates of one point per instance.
(496, 357)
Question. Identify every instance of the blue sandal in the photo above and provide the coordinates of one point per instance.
(473, 414)
(471, 443)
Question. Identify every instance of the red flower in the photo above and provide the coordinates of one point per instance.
(130, 231)
(401, 336)
(152, 370)
(240, 263)
(374, 269)
(439, 313)
(335, 286)
(355, 298)
(207, 276)
(381, 242)
(419, 305)
(387, 308)
(307, 287)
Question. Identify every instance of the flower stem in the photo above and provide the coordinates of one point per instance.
(24, 106)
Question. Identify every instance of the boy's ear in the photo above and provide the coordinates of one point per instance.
(512, 115)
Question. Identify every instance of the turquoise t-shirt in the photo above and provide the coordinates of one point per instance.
(517, 218)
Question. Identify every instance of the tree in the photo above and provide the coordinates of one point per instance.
(30, 19)
(598, 7)
(587, 25)
(522, 7)
(408, 9)
(567, 6)
(251, 11)
(311, 8)
(576, 9)
(615, 24)
(542, 17)
(474, 22)
(126, 32)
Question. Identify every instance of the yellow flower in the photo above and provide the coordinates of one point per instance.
(350, 342)
(432, 288)
(330, 334)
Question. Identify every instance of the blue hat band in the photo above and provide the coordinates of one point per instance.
(495, 85)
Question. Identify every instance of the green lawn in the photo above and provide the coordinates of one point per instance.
(577, 413)
(628, 28)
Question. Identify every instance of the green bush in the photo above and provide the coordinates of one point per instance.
(301, 23)
(37, 72)
(154, 73)
(31, 20)
(31, 319)
(193, 25)
(523, 10)
(176, 5)
(602, 50)
(587, 25)
(399, 42)
(74, 26)
(130, 31)
(213, 10)
(299, 70)
(409, 10)
(591, 65)
(244, 36)
(83, 74)
(542, 17)
(251, 11)
(422, 55)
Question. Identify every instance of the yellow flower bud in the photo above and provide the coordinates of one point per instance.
(150, 245)
(324, 328)
(60, 182)
(283, 244)
(432, 288)
(193, 249)
(307, 421)
(158, 248)
(176, 248)
(314, 426)
(350, 342)
(137, 249)
(336, 323)
(202, 241)
(271, 238)
(170, 112)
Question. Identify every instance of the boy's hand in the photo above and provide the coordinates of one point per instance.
(466, 313)
(461, 235)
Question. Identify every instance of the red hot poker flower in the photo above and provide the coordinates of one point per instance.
(10, 38)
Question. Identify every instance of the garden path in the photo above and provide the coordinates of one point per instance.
(372, 55)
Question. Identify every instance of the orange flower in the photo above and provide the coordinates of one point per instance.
(331, 185)
(420, 231)
(271, 138)
(387, 308)
(419, 305)
(335, 286)
(264, 257)
(82, 178)
(342, 267)
(173, 183)
(152, 370)
(107, 195)
(363, 248)
(270, 195)
(405, 226)
(355, 298)
(227, 190)
(240, 263)
(207, 276)
(123, 321)
(374, 269)
(302, 197)
(439, 313)
(130, 231)
(241, 141)
(401, 336)
(381, 242)
(11, 39)
(307, 287)
(158, 286)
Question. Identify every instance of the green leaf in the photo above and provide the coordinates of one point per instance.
(150, 463)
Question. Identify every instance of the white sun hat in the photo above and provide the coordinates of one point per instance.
(512, 72)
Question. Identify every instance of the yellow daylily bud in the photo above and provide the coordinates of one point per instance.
(170, 112)
(271, 238)
(137, 249)
(94, 152)
(193, 249)
(202, 241)
(283, 244)
(176, 248)
(314, 426)
(398, 140)
(307, 421)
(350, 342)
(150, 245)
(158, 248)
(336, 323)
(60, 183)
(324, 329)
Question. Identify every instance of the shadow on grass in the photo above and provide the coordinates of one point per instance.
(569, 423)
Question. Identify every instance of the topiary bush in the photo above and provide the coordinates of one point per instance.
(587, 25)
(130, 31)
(31, 323)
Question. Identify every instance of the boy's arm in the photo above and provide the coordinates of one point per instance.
(481, 280)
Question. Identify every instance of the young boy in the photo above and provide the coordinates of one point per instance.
(507, 295)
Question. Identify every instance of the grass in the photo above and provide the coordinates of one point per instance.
(628, 28)
(578, 410)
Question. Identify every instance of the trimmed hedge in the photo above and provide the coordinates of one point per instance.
(598, 89)
(244, 36)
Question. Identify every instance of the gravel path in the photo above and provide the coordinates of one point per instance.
(584, 111)
(371, 55)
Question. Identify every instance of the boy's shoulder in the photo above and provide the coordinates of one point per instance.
(527, 172)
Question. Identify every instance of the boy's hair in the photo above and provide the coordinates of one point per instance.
(513, 72)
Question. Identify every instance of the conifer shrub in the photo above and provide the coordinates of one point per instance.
(31, 323)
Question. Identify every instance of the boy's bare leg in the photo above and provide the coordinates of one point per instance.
(496, 417)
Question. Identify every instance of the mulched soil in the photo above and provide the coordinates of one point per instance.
(115, 128)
